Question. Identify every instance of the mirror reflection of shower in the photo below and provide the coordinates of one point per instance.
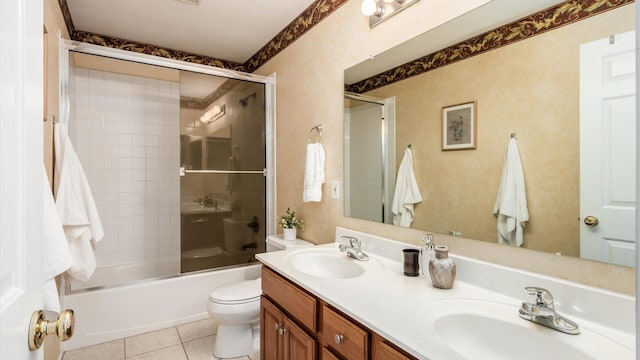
(245, 100)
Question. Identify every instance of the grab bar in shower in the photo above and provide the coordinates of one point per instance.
(184, 171)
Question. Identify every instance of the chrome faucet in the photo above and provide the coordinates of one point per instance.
(354, 249)
(543, 312)
(206, 201)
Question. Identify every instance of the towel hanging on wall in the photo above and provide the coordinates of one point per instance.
(76, 206)
(406, 193)
(511, 202)
(57, 257)
(313, 173)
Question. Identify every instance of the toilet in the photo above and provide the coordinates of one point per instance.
(236, 309)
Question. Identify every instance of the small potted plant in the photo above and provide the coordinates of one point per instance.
(289, 223)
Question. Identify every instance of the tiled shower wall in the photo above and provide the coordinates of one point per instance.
(126, 132)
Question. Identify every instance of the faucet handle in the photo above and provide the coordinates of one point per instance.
(353, 242)
(543, 296)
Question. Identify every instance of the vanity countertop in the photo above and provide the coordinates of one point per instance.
(391, 304)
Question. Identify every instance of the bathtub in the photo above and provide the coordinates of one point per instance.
(112, 313)
(128, 273)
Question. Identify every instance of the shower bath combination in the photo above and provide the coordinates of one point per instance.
(204, 217)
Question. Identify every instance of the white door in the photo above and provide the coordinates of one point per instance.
(21, 29)
(607, 149)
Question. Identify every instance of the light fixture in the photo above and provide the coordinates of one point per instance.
(380, 10)
(369, 7)
(212, 114)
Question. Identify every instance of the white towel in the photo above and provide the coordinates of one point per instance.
(313, 173)
(76, 206)
(57, 258)
(511, 202)
(406, 193)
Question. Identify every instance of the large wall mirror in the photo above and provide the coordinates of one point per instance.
(566, 92)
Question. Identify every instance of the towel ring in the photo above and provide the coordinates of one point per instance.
(317, 128)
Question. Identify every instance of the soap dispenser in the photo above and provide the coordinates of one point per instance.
(427, 253)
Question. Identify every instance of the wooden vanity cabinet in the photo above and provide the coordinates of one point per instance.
(296, 325)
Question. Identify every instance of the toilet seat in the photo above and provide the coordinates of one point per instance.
(237, 293)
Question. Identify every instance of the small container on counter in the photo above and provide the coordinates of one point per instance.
(442, 269)
(411, 265)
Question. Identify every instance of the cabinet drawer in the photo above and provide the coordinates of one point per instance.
(344, 336)
(302, 306)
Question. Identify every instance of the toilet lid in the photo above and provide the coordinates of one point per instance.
(239, 292)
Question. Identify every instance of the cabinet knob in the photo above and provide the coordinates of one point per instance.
(277, 326)
(338, 338)
(282, 331)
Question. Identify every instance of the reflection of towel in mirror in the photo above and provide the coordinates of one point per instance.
(57, 257)
(406, 193)
(313, 173)
(511, 202)
(76, 206)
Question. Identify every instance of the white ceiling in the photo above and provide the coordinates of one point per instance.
(225, 29)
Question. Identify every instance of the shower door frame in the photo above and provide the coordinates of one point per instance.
(66, 46)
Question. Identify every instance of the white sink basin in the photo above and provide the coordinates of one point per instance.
(329, 263)
(482, 329)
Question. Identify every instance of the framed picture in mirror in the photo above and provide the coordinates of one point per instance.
(459, 126)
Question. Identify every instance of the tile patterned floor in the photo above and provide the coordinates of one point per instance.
(191, 341)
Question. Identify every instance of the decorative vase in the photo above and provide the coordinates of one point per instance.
(442, 269)
(289, 234)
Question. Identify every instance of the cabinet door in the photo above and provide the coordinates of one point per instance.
(271, 320)
(328, 355)
(382, 350)
(298, 345)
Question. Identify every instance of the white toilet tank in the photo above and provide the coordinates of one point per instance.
(276, 243)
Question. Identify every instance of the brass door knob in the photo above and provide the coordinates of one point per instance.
(39, 327)
(591, 221)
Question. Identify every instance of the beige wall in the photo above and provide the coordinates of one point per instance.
(56, 29)
(95, 62)
(309, 91)
(530, 88)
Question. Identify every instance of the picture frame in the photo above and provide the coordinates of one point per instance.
(459, 126)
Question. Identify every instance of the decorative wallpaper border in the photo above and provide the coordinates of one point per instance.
(66, 15)
(560, 15)
(311, 16)
(201, 104)
(123, 44)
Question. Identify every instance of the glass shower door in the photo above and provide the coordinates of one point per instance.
(223, 187)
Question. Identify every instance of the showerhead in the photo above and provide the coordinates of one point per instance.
(245, 100)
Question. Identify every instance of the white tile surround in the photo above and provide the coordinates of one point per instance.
(126, 132)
